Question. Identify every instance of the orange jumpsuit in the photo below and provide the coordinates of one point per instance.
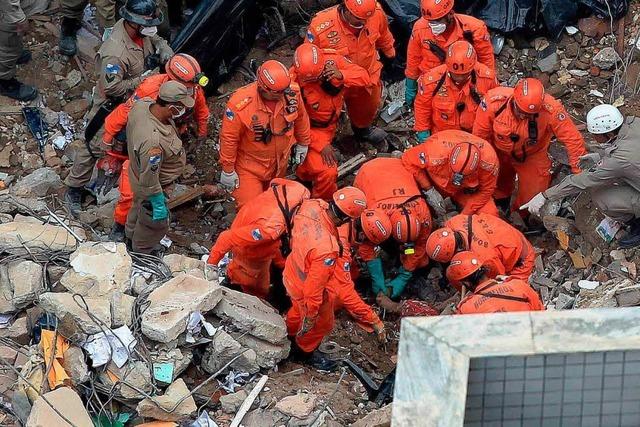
(328, 30)
(324, 110)
(441, 104)
(423, 43)
(123, 205)
(343, 288)
(489, 297)
(389, 186)
(501, 248)
(518, 152)
(307, 272)
(258, 162)
(429, 164)
(254, 236)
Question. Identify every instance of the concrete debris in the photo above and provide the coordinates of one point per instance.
(603, 296)
(376, 418)
(222, 349)
(268, 355)
(172, 303)
(21, 282)
(606, 59)
(231, 402)
(132, 376)
(75, 365)
(181, 360)
(121, 309)
(298, 406)
(182, 264)
(628, 296)
(98, 269)
(74, 319)
(20, 238)
(564, 302)
(167, 402)
(67, 402)
(264, 417)
(38, 183)
(18, 331)
(11, 204)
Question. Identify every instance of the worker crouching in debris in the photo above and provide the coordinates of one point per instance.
(262, 123)
(358, 29)
(259, 231)
(310, 266)
(323, 76)
(459, 165)
(519, 122)
(614, 182)
(449, 95)
(157, 159)
(502, 249)
(393, 192)
(488, 295)
(433, 34)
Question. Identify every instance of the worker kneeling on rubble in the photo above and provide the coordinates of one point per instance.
(259, 232)
(157, 160)
(395, 195)
(502, 249)
(310, 266)
(488, 295)
(449, 95)
(263, 121)
(323, 76)
(459, 165)
(519, 122)
(614, 182)
(358, 29)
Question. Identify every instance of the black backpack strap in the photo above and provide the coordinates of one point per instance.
(468, 36)
(475, 96)
(439, 84)
(469, 231)
(500, 296)
(437, 50)
(287, 213)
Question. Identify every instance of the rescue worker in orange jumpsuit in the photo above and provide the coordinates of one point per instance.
(254, 238)
(519, 122)
(263, 121)
(181, 67)
(502, 249)
(449, 95)
(459, 165)
(488, 295)
(432, 35)
(310, 266)
(358, 29)
(323, 76)
(391, 188)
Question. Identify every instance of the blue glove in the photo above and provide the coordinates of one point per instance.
(423, 135)
(410, 91)
(160, 211)
(377, 276)
(400, 282)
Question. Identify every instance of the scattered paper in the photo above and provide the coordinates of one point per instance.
(608, 228)
(5, 320)
(571, 30)
(596, 93)
(233, 380)
(166, 242)
(115, 346)
(204, 421)
(59, 142)
(163, 372)
(588, 284)
(619, 102)
(195, 324)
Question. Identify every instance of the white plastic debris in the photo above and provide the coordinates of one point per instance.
(204, 421)
(571, 30)
(59, 142)
(166, 242)
(608, 228)
(195, 324)
(233, 380)
(116, 346)
(596, 93)
(588, 284)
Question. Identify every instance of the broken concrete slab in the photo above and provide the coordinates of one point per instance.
(73, 319)
(376, 418)
(564, 302)
(166, 412)
(181, 264)
(268, 355)
(222, 349)
(8, 354)
(133, 374)
(172, 303)
(249, 314)
(298, 406)
(18, 331)
(232, 402)
(15, 236)
(628, 296)
(75, 365)
(26, 280)
(602, 296)
(121, 309)
(180, 360)
(38, 183)
(11, 204)
(606, 59)
(98, 269)
(67, 402)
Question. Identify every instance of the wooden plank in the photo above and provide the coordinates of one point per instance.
(187, 196)
(246, 405)
(11, 109)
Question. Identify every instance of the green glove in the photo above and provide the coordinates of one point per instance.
(423, 135)
(410, 91)
(400, 282)
(160, 211)
(377, 276)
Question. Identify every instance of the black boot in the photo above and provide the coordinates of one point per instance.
(117, 233)
(73, 198)
(632, 238)
(68, 30)
(24, 58)
(373, 135)
(18, 90)
(319, 361)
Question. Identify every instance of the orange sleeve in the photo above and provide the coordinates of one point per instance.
(222, 246)
(411, 160)
(117, 120)
(386, 40)
(422, 107)
(231, 134)
(414, 55)
(484, 48)
(483, 125)
(355, 306)
(565, 130)
(495, 266)
(367, 251)
(488, 183)
(236, 237)
(201, 112)
(320, 272)
(534, 299)
(353, 75)
(302, 127)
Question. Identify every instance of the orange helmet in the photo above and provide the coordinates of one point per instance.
(308, 61)
(273, 76)
(464, 161)
(529, 95)
(461, 57)
(441, 245)
(435, 9)
(463, 264)
(361, 9)
(405, 225)
(351, 201)
(375, 225)
(185, 69)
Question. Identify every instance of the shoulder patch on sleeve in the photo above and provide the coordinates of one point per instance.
(329, 262)
(256, 234)
(562, 116)
(229, 114)
(483, 104)
(310, 36)
(155, 155)
(112, 69)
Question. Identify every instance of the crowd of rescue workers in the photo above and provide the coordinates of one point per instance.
(482, 145)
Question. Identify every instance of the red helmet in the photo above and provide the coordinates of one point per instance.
(441, 245)
(464, 161)
(461, 57)
(435, 9)
(351, 201)
(361, 9)
(185, 69)
(463, 264)
(308, 61)
(529, 95)
(375, 225)
(405, 225)
(273, 76)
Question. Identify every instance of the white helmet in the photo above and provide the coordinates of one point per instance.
(604, 118)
